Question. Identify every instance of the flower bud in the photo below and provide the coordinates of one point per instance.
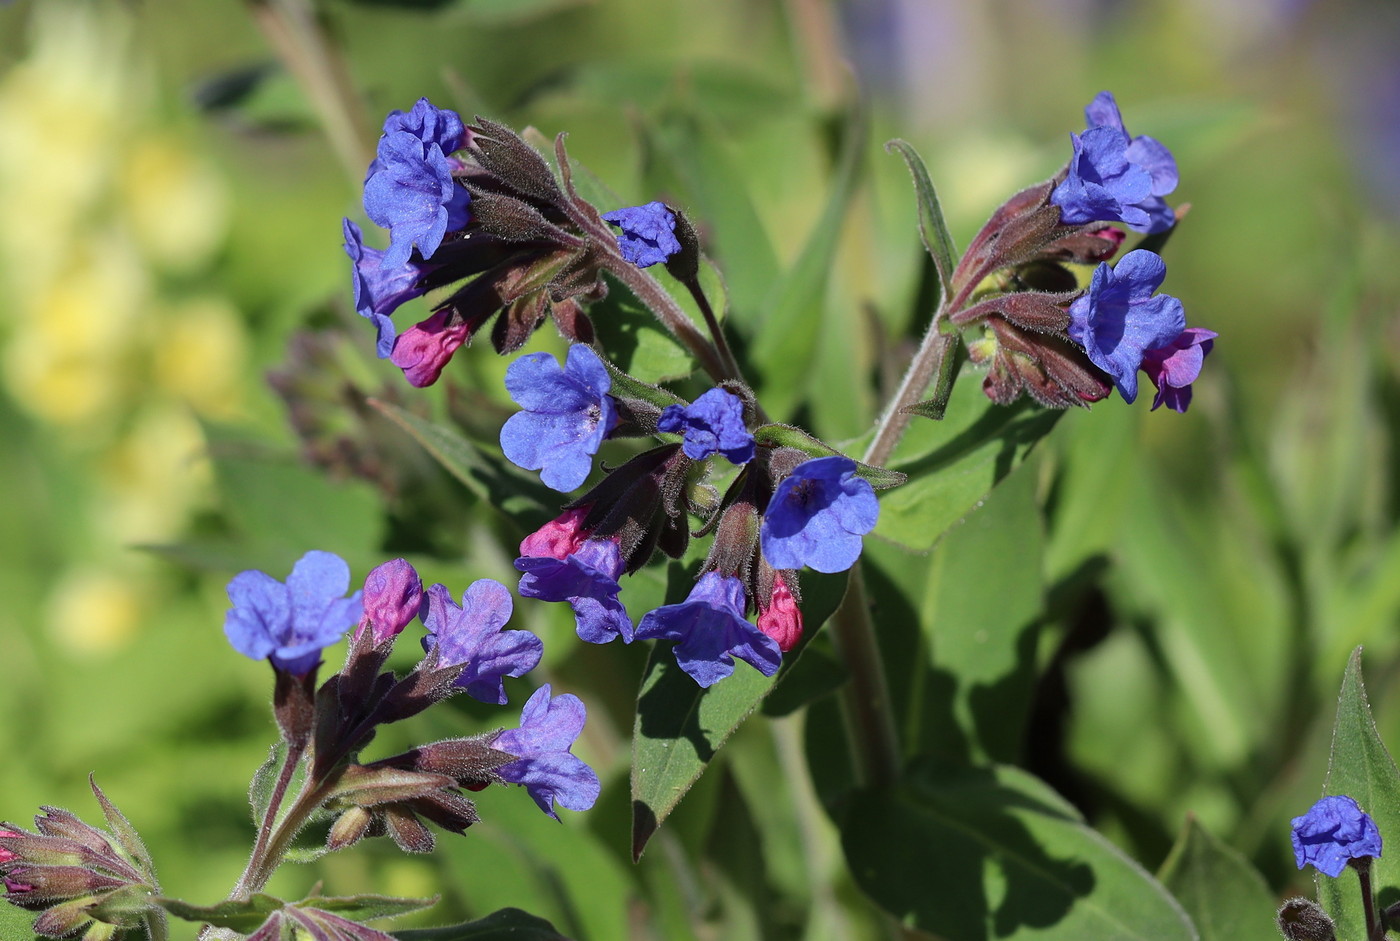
(348, 828)
(1303, 920)
(392, 596)
(780, 617)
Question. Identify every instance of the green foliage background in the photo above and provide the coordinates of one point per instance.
(1152, 615)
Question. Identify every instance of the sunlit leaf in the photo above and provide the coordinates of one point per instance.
(1226, 897)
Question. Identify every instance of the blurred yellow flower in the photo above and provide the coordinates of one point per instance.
(92, 611)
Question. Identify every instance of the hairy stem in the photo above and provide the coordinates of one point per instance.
(726, 355)
(258, 858)
(866, 698)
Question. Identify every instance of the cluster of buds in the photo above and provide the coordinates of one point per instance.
(83, 881)
(793, 502)
(1043, 336)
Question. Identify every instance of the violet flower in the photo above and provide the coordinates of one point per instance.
(712, 424)
(561, 562)
(379, 290)
(1333, 832)
(392, 597)
(544, 763)
(1114, 177)
(1174, 367)
(567, 414)
(710, 630)
(648, 233)
(290, 624)
(817, 516)
(471, 634)
(1118, 320)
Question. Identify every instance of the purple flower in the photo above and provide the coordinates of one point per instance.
(710, 630)
(1118, 320)
(648, 233)
(817, 515)
(410, 189)
(472, 634)
(548, 728)
(1114, 177)
(1174, 367)
(567, 414)
(561, 563)
(1333, 832)
(392, 597)
(291, 624)
(713, 423)
(380, 290)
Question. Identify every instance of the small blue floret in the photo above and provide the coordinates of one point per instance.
(648, 233)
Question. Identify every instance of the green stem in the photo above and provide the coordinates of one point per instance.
(258, 858)
(866, 698)
(305, 49)
(157, 925)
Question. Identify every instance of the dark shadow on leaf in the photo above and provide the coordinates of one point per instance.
(1016, 426)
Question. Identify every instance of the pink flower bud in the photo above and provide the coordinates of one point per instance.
(392, 597)
(423, 350)
(781, 618)
(557, 539)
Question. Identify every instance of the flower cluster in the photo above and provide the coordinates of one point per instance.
(783, 511)
(1044, 336)
(468, 649)
(476, 207)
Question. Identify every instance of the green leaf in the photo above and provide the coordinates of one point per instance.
(265, 780)
(953, 464)
(972, 854)
(496, 481)
(787, 436)
(636, 342)
(680, 727)
(629, 387)
(244, 916)
(1223, 893)
(785, 342)
(933, 229)
(366, 907)
(508, 924)
(1362, 769)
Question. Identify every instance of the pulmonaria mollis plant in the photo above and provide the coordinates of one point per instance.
(82, 879)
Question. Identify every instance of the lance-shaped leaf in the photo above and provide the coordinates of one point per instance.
(1362, 769)
(243, 915)
(1223, 893)
(787, 436)
(933, 229)
(680, 727)
(126, 836)
(497, 482)
(366, 907)
(971, 854)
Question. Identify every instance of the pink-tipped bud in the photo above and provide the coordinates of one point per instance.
(422, 351)
(7, 855)
(392, 597)
(781, 618)
(557, 539)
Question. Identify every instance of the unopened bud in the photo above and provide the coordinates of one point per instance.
(1303, 920)
(392, 596)
(780, 617)
(348, 828)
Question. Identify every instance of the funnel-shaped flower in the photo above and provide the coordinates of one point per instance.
(379, 290)
(1174, 367)
(290, 624)
(1114, 177)
(1118, 320)
(710, 630)
(712, 424)
(567, 414)
(817, 516)
(561, 562)
(1333, 832)
(545, 765)
(471, 634)
(648, 233)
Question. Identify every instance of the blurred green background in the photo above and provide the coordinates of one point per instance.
(169, 222)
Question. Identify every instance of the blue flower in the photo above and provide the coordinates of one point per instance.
(380, 290)
(472, 634)
(648, 233)
(817, 515)
(1114, 177)
(430, 124)
(1118, 320)
(713, 423)
(1333, 832)
(291, 624)
(548, 728)
(710, 630)
(561, 563)
(411, 192)
(567, 414)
